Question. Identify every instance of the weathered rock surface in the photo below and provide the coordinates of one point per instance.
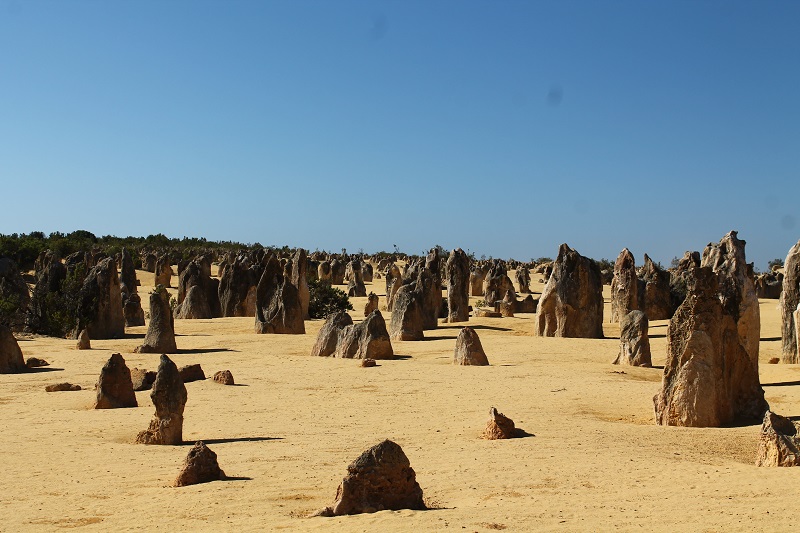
(790, 299)
(195, 305)
(169, 398)
(163, 272)
(50, 275)
(624, 286)
(160, 336)
(499, 426)
(372, 303)
(132, 309)
(278, 308)
(100, 303)
(655, 299)
(11, 360)
(35, 362)
(769, 285)
(523, 275)
(526, 305)
(366, 340)
(324, 271)
(200, 466)
(507, 305)
(224, 377)
(458, 286)
(127, 278)
(476, 278)
(634, 342)
(237, 289)
(381, 478)
(497, 284)
(191, 373)
(779, 442)
(355, 286)
(114, 387)
(406, 321)
(571, 304)
(394, 280)
(300, 280)
(469, 350)
(736, 290)
(329, 333)
(337, 272)
(142, 379)
(709, 379)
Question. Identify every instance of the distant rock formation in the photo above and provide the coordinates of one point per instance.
(458, 286)
(572, 300)
(160, 336)
(278, 308)
(469, 350)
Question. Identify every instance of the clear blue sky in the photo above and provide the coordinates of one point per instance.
(502, 127)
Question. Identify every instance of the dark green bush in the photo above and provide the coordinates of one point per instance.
(326, 299)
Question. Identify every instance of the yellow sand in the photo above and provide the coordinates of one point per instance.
(289, 430)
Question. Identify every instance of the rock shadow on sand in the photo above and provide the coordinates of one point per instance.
(229, 440)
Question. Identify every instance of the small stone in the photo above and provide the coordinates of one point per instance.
(61, 387)
(498, 426)
(224, 377)
(774, 361)
(368, 362)
(200, 466)
(191, 373)
(35, 362)
(83, 341)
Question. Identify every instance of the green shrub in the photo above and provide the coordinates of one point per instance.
(326, 299)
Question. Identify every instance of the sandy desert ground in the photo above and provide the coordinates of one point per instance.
(595, 460)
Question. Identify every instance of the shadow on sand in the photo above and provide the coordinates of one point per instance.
(781, 384)
(230, 440)
(203, 350)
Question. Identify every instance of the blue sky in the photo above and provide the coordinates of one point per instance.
(503, 127)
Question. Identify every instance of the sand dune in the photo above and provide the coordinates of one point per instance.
(286, 433)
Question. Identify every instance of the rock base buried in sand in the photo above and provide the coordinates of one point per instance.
(486, 313)
(499, 426)
(62, 387)
(779, 442)
(224, 377)
(381, 478)
(200, 466)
